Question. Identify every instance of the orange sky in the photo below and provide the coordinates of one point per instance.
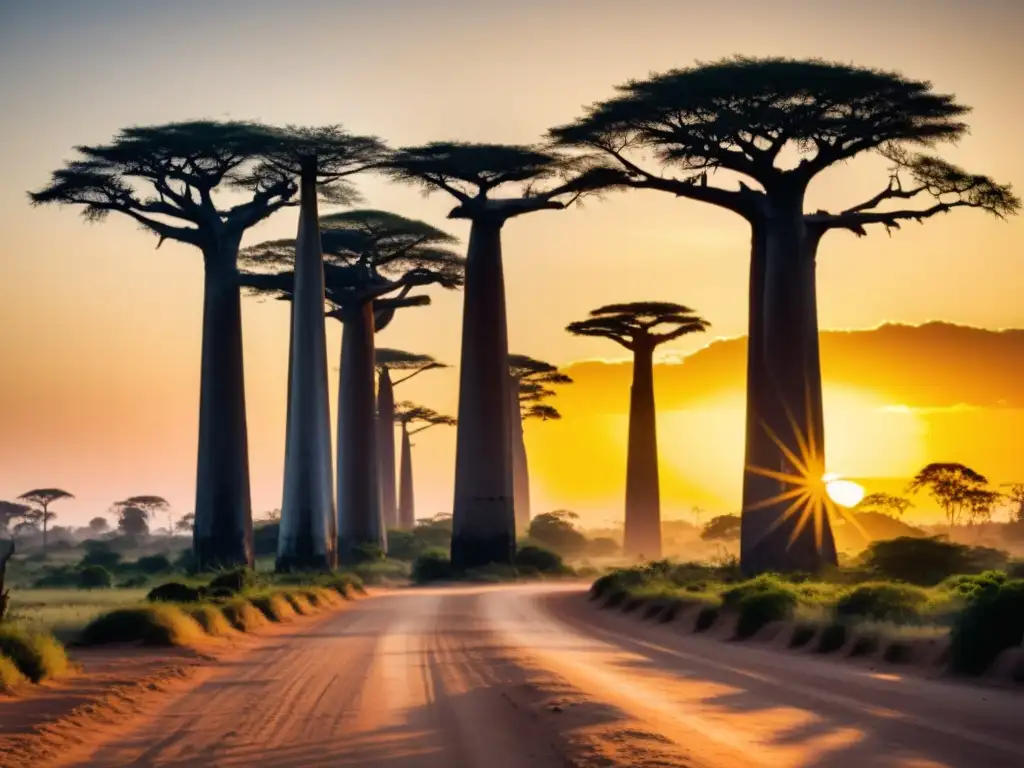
(99, 389)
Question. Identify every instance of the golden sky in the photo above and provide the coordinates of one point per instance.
(99, 388)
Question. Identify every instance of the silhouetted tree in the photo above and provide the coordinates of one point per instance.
(636, 327)
(135, 513)
(413, 364)
(557, 531)
(884, 503)
(12, 512)
(320, 159)
(40, 500)
(409, 415)
(484, 521)
(99, 525)
(186, 523)
(738, 115)
(1016, 497)
(530, 382)
(952, 486)
(722, 528)
(373, 260)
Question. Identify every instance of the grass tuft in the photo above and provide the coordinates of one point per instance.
(243, 615)
(151, 625)
(299, 602)
(10, 676)
(212, 620)
(37, 655)
(274, 606)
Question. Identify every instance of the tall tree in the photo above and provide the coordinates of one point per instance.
(738, 116)
(418, 418)
(641, 327)
(484, 520)
(321, 160)
(373, 260)
(40, 500)
(166, 177)
(530, 382)
(412, 364)
(954, 487)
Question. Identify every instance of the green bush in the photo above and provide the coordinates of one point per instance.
(539, 559)
(154, 564)
(760, 607)
(10, 675)
(767, 582)
(57, 578)
(243, 615)
(100, 553)
(211, 619)
(237, 579)
(175, 592)
(150, 625)
(95, 577)
(882, 601)
(969, 586)
(37, 655)
(992, 621)
(927, 561)
(432, 565)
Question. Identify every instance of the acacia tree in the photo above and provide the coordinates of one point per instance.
(410, 415)
(135, 513)
(483, 519)
(12, 512)
(641, 327)
(738, 116)
(373, 260)
(530, 382)
(957, 489)
(412, 364)
(885, 503)
(165, 178)
(40, 500)
(1016, 497)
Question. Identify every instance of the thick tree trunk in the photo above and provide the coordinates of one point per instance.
(222, 535)
(642, 535)
(520, 476)
(360, 521)
(484, 515)
(307, 538)
(406, 500)
(386, 447)
(793, 534)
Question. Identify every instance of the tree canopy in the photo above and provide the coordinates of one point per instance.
(400, 360)
(635, 325)
(535, 378)
(44, 497)
(885, 503)
(956, 488)
(10, 511)
(410, 414)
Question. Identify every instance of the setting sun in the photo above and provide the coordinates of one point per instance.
(845, 493)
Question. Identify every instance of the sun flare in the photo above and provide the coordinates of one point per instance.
(845, 493)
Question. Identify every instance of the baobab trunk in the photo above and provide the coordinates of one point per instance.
(520, 476)
(222, 534)
(386, 447)
(793, 534)
(360, 521)
(642, 536)
(307, 539)
(484, 516)
(406, 501)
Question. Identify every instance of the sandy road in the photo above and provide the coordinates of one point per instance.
(517, 677)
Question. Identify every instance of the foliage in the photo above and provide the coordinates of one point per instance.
(556, 531)
(757, 608)
(885, 503)
(410, 414)
(992, 622)
(99, 553)
(95, 577)
(154, 564)
(99, 525)
(158, 624)
(531, 558)
(432, 565)
(37, 655)
(927, 561)
(428, 534)
(970, 586)
(133, 521)
(722, 528)
(175, 592)
(12, 512)
(957, 489)
(237, 580)
(882, 601)
(186, 523)
(634, 325)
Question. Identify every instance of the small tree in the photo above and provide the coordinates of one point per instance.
(40, 500)
(484, 516)
(722, 528)
(557, 531)
(884, 503)
(12, 512)
(530, 384)
(641, 327)
(419, 418)
(412, 364)
(954, 487)
(186, 523)
(135, 513)
(98, 526)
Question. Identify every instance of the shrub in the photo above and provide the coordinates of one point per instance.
(102, 554)
(366, 553)
(95, 577)
(432, 565)
(403, 545)
(175, 592)
(210, 618)
(243, 615)
(832, 638)
(757, 608)
(930, 560)
(299, 602)
(10, 675)
(531, 556)
(56, 578)
(275, 607)
(767, 582)
(970, 586)
(706, 618)
(37, 655)
(237, 580)
(991, 622)
(882, 601)
(154, 564)
(150, 625)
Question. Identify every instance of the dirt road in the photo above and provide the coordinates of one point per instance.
(534, 677)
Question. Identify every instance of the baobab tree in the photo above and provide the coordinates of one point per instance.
(373, 260)
(737, 116)
(419, 418)
(167, 179)
(530, 382)
(40, 500)
(483, 519)
(641, 327)
(411, 364)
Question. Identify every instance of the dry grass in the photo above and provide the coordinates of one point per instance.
(300, 603)
(63, 612)
(212, 620)
(274, 606)
(150, 624)
(37, 655)
(10, 676)
(243, 615)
